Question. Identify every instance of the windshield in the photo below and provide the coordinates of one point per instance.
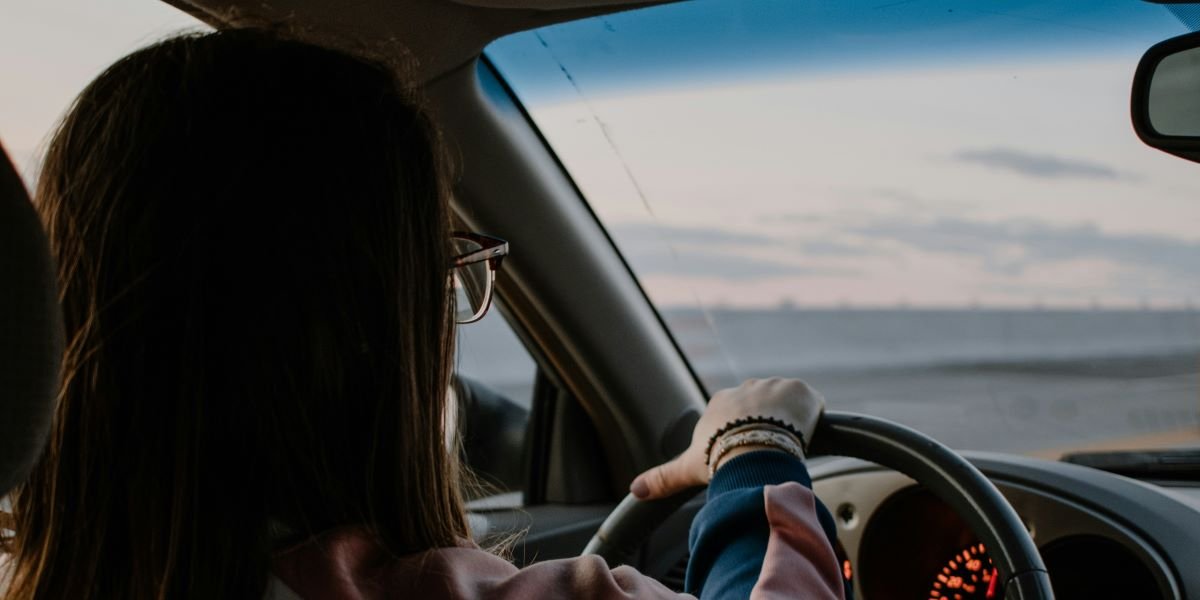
(935, 212)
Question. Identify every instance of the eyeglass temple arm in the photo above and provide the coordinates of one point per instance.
(482, 254)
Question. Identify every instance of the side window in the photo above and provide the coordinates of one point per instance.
(494, 383)
(53, 48)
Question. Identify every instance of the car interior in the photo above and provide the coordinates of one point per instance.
(611, 392)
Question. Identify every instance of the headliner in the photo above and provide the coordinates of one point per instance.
(435, 35)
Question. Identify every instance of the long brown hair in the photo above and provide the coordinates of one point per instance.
(252, 239)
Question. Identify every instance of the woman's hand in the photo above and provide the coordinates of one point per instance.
(789, 400)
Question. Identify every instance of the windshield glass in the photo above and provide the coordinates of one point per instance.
(935, 212)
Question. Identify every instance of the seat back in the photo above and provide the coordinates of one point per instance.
(31, 331)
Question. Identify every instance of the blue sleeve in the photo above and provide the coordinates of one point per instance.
(728, 539)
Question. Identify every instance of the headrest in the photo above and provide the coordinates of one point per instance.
(31, 331)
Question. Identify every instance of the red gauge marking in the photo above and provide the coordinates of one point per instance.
(991, 593)
(966, 576)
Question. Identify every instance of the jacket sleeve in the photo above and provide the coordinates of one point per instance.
(763, 534)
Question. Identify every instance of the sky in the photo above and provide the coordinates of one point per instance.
(768, 152)
(867, 153)
(51, 49)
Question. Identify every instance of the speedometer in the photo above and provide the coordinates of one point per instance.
(969, 575)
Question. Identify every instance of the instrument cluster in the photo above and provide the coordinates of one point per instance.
(916, 548)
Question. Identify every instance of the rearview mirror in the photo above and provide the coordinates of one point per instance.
(1166, 97)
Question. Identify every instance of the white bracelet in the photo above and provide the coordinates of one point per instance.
(753, 437)
(708, 457)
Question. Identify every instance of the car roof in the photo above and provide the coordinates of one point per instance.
(436, 35)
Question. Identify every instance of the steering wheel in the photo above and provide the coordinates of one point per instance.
(933, 465)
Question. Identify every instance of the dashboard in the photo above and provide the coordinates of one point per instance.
(900, 542)
(1102, 536)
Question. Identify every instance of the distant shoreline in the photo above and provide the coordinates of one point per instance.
(932, 309)
(1109, 366)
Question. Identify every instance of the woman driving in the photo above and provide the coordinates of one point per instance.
(260, 283)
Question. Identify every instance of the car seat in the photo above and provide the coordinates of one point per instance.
(31, 331)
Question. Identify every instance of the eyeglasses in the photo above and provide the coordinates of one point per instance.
(476, 259)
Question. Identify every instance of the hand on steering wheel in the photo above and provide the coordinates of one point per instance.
(948, 475)
(789, 400)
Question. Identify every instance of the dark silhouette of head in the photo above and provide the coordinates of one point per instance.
(252, 239)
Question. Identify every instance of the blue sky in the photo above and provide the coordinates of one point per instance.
(704, 40)
(871, 153)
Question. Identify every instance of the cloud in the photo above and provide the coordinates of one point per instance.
(641, 233)
(698, 263)
(1008, 247)
(1039, 166)
(831, 247)
(654, 249)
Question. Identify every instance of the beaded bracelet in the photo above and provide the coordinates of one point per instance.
(754, 437)
(744, 421)
(708, 458)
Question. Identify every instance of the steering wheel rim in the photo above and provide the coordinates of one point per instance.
(945, 473)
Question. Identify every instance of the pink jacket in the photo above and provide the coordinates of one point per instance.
(347, 565)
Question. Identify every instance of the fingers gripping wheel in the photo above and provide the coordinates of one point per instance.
(941, 470)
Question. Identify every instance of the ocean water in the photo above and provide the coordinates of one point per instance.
(1028, 381)
(743, 343)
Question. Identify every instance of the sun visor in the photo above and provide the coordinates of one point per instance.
(551, 4)
(432, 36)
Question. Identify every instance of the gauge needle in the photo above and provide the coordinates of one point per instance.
(991, 593)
